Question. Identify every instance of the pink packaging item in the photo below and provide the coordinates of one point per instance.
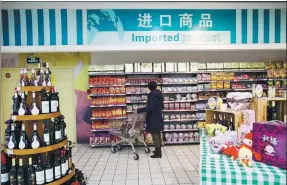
(248, 117)
(241, 132)
(269, 140)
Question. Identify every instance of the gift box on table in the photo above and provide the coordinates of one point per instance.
(269, 140)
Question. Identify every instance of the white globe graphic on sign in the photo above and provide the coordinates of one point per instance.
(106, 17)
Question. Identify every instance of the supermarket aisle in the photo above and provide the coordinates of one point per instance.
(179, 165)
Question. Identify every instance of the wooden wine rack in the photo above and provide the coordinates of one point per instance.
(35, 117)
(28, 121)
(37, 150)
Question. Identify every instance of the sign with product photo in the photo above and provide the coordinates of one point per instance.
(39, 27)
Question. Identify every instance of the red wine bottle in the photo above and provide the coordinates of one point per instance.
(16, 103)
(54, 101)
(63, 127)
(63, 164)
(57, 98)
(23, 110)
(33, 79)
(23, 142)
(57, 165)
(8, 131)
(34, 107)
(47, 75)
(40, 174)
(13, 173)
(31, 176)
(20, 173)
(4, 170)
(45, 101)
(35, 141)
(21, 79)
(25, 79)
(12, 143)
(47, 133)
(49, 172)
(58, 132)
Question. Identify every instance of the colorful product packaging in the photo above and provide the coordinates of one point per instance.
(269, 140)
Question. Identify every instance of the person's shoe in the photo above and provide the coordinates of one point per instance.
(157, 153)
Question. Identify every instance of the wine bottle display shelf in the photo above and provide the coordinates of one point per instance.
(63, 179)
(35, 88)
(35, 117)
(180, 130)
(37, 150)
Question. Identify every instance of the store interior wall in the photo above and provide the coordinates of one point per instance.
(186, 56)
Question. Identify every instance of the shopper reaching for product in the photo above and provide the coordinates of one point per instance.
(154, 120)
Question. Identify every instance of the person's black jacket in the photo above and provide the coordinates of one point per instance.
(154, 120)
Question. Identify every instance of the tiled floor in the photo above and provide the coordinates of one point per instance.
(179, 165)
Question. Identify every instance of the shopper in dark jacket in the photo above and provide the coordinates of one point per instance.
(154, 120)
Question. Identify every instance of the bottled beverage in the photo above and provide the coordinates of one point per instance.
(49, 172)
(23, 106)
(34, 107)
(25, 79)
(16, 103)
(41, 81)
(63, 164)
(12, 144)
(57, 166)
(232, 124)
(33, 80)
(47, 75)
(54, 102)
(4, 170)
(57, 98)
(38, 73)
(69, 156)
(40, 174)
(273, 111)
(66, 158)
(45, 101)
(224, 121)
(31, 176)
(35, 141)
(47, 133)
(23, 142)
(34, 161)
(13, 173)
(20, 173)
(21, 82)
(63, 127)
(8, 131)
(58, 132)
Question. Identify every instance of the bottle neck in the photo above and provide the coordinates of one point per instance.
(35, 127)
(30, 161)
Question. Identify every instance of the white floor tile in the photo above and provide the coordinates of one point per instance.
(158, 181)
(106, 182)
(146, 181)
(132, 182)
(119, 182)
(184, 180)
(170, 181)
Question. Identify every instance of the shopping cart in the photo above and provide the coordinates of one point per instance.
(131, 130)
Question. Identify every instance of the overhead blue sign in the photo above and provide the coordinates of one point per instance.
(30, 27)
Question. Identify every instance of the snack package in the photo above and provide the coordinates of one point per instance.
(213, 85)
(226, 85)
(213, 76)
(219, 85)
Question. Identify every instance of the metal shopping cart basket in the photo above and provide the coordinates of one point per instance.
(131, 130)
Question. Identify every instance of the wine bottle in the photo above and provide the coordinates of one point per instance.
(57, 166)
(38, 73)
(21, 79)
(23, 107)
(273, 111)
(8, 131)
(34, 107)
(67, 161)
(47, 133)
(58, 132)
(20, 173)
(23, 142)
(12, 144)
(54, 101)
(63, 164)
(25, 79)
(40, 174)
(4, 170)
(47, 75)
(35, 141)
(15, 103)
(41, 81)
(69, 155)
(13, 173)
(33, 80)
(31, 176)
(63, 127)
(57, 98)
(45, 103)
(232, 124)
(34, 161)
(49, 172)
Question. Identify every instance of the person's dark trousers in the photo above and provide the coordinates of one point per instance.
(156, 137)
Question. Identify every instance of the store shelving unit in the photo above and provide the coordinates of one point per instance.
(28, 121)
(200, 100)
